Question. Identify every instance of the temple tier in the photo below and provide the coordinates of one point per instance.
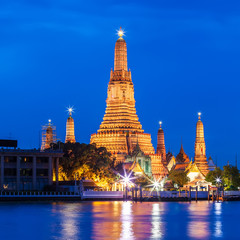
(121, 130)
(200, 148)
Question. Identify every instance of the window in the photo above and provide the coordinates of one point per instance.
(140, 162)
(27, 172)
(10, 172)
(147, 166)
(10, 159)
(25, 159)
(42, 159)
(42, 172)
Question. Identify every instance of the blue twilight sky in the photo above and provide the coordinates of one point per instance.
(184, 57)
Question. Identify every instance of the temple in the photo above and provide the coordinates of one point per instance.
(200, 148)
(161, 144)
(121, 130)
(48, 135)
(122, 134)
(70, 135)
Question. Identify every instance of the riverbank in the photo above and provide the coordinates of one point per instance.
(163, 196)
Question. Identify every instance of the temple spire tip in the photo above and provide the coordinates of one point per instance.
(120, 32)
(199, 115)
(70, 110)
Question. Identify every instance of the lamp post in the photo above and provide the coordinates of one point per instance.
(218, 184)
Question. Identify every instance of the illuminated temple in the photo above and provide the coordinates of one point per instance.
(121, 130)
(70, 135)
(200, 148)
(122, 134)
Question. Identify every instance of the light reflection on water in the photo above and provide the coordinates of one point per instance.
(119, 220)
(127, 221)
(218, 223)
(156, 222)
(69, 221)
(198, 226)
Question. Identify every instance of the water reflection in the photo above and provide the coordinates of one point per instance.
(218, 208)
(69, 223)
(198, 226)
(218, 223)
(156, 222)
(127, 221)
(106, 224)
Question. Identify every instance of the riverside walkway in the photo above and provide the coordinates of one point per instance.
(145, 196)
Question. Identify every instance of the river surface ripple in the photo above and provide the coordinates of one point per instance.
(119, 220)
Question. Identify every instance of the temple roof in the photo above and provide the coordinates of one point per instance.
(169, 156)
(210, 162)
(135, 168)
(180, 167)
(182, 157)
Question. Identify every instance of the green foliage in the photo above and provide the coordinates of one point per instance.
(86, 160)
(231, 177)
(213, 175)
(179, 177)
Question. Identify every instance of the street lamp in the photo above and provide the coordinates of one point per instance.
(218, 180)
(218, 184)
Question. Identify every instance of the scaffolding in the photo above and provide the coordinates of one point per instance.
(48, 135)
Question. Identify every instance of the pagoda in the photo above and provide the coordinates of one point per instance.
(121, 130)
(200, 148)
(70, 135)
(161, 144)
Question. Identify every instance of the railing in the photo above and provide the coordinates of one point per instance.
(38, 194)
(232, 193)
(102, 194)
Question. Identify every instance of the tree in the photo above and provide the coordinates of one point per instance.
(86, 160)
(179, 177)
(231, 177)
(213, 175)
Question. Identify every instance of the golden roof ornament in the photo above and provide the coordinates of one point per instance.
(199, 115)
(120, 32)
(70, 110)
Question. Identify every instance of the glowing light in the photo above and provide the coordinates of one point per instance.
(160, 123)
(218, 180)
(70, 110)
(120, 32)
(157, 185)
(49, 121)
(199, 115)
(127, 179)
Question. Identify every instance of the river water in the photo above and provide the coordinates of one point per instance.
(119, 220)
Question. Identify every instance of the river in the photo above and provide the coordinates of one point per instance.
(119, 220)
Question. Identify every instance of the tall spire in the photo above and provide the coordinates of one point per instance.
(181, 149)
(120, 58)
(199, 115)
(48, 135)
(70, 135)
(121, 130)
(200, 147)
(161, 143)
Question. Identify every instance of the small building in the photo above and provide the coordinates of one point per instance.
(26, 170)
(181, 160)
(144, 161)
